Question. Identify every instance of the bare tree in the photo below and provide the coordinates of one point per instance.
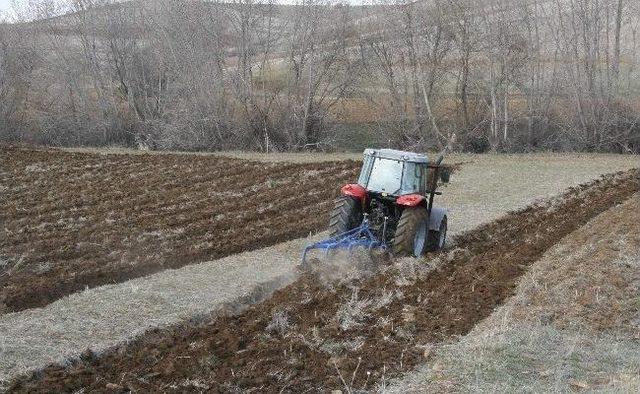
(176, 74)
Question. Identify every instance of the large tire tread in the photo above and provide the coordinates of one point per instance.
(344, 216)
(406, 230)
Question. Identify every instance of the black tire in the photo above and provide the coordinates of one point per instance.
(411, 233)
(438, 239)
(346, 215)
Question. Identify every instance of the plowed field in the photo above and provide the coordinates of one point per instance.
(314, 336)
(74, 220)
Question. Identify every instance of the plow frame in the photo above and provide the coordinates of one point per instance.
(361, 236)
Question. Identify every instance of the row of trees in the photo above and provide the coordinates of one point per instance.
(510, 75)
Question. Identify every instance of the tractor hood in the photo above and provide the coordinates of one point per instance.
(397, 155)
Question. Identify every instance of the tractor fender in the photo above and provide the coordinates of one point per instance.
(437, 214)
(410, 200)
(354, 190)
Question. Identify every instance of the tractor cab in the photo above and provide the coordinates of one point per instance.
(393, 172)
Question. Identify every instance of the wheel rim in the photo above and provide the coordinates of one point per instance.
(442, 236)
(420, 239)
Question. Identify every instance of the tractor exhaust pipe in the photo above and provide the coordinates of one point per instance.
(446, 149)
(438, 171)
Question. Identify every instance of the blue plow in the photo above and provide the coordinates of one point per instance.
(361, 236)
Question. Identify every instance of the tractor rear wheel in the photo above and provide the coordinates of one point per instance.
(438, 238)
(411, 233)
(346, 215)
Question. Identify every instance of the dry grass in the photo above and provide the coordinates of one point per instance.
(487, 186)
(274, 157)
(574, 323)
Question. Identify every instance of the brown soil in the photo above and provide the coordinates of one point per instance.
(298, 340)
(74, 220)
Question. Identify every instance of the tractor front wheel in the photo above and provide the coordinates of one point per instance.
(346, 215)
(411, 233)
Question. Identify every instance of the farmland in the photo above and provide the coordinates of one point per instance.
(73, 220)
(308, 336)
(170, 172)
(192, 230)
(579, 300)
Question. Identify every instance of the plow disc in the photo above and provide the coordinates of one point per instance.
(361, 236)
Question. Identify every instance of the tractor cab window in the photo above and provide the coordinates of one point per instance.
(385, 176)
(413, 178)
(366, 170)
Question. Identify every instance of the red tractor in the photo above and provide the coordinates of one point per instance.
(391, 206)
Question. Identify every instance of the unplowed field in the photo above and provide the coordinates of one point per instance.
(314, 336)
(74, 220)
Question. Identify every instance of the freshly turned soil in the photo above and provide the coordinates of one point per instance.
(76, 220)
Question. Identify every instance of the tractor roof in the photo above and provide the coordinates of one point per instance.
(397, 155)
